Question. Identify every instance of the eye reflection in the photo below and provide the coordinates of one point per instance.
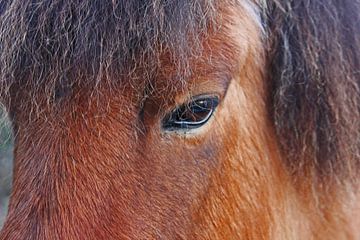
(192, 114)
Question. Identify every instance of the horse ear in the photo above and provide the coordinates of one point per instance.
(314, 58)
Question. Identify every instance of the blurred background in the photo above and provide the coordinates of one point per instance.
(6, 156)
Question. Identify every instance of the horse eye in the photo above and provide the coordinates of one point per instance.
(190, 115)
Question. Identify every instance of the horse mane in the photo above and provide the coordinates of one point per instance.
(315, 75)
(59, 42)
(313, 61)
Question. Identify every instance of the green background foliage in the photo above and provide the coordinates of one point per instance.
(6, 156)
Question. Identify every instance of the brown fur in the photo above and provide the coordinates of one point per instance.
(87, 83)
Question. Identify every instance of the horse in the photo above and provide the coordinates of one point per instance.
(208, 119)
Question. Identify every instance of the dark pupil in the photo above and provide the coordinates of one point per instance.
(194, 112)
(191, 115)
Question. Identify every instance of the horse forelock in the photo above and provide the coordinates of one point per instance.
(52, 42)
